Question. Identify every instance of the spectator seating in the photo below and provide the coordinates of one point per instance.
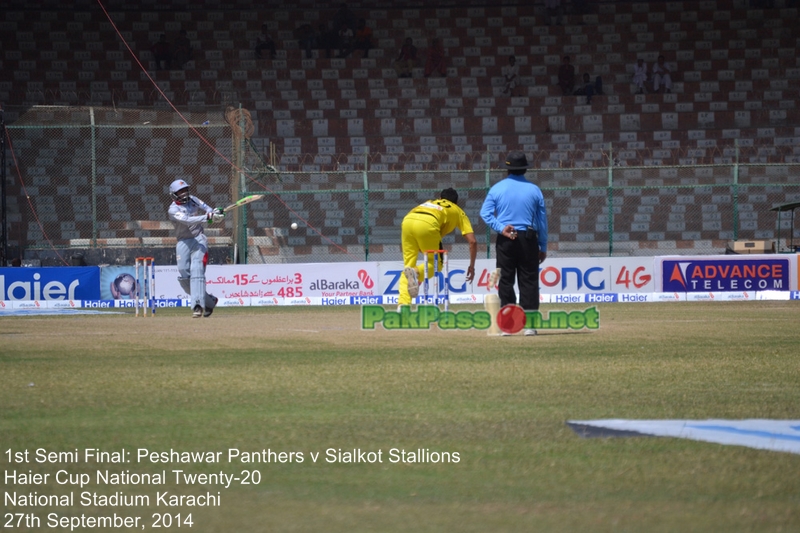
(736, 75)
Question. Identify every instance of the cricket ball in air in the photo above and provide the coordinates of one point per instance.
(294, 225)
(511, 319)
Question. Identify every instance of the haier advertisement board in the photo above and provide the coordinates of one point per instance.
(49, 283)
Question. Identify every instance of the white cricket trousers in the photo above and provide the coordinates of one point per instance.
(192, 258)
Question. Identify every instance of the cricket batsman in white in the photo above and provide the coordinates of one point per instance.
(188, 214)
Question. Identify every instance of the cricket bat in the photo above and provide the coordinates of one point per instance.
(491, 303)
(244, 201)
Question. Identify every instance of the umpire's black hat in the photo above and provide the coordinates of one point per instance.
(516, 160)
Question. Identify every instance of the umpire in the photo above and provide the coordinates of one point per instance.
(515, 209)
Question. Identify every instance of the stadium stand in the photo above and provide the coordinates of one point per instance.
(736, 76)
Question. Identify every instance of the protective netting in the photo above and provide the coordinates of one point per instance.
(98, 177)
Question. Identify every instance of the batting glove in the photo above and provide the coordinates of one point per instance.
(215, 216)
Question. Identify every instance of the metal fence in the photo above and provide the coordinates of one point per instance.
(99, 177)
(601, 211)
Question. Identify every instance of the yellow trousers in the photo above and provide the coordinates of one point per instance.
(419, 233)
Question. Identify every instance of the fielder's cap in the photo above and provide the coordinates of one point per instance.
(516, 161)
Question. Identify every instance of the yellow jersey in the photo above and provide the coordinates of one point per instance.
(447, 215)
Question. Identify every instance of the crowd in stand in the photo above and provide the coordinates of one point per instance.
(346, 33)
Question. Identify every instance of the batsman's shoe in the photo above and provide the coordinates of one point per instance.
(413, 283)
(494, 277)
(197, 312)
(210, 310)
(530, 333)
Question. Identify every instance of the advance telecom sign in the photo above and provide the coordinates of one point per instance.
(723, 275)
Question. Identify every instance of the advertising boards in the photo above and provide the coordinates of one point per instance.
(276, 284)
(49, 283)
(561, 281)
(695, 274)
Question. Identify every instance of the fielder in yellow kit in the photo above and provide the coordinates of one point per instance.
(423, 228)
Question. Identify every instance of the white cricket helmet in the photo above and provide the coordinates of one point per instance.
(179, 190)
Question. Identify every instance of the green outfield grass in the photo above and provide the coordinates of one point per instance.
(308, 379)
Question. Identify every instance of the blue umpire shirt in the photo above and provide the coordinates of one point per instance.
(518, 202)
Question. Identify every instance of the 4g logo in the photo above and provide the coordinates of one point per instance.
(483, 280)
(637, 279)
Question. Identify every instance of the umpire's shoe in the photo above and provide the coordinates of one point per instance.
(197, 311)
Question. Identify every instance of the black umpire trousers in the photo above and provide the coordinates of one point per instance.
(519, 259)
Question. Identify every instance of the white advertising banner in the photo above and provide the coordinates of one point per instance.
(280, 283)
(601, 274)
(565, 276)
(367, 282)
(561, 280)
